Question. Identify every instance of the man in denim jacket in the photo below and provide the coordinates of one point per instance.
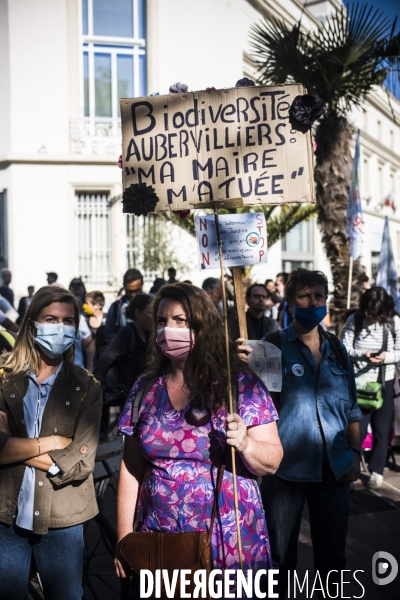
(319, 430)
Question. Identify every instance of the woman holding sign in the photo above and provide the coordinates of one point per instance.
(175, 449)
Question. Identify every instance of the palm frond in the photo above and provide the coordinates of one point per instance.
(352, 51)
(280, 53)
(288, 217)
(185, 224)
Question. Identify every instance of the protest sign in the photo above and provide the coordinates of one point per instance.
(243, 237)
(181, 151)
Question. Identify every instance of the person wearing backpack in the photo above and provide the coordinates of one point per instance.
(133, 284)
(372, 339)
(319, 431)
(124, 359)
(7, 323)
(96, 320)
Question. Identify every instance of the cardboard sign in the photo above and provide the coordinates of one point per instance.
(235, 146)
(243, 237)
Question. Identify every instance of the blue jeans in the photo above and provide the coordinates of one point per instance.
(328, 505)
(58, 556)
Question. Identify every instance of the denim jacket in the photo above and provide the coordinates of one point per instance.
(316, 407)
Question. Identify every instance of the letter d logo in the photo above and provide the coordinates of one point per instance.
(381, 561)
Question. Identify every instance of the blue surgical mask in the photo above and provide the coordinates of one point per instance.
(310, 317)
(54, 338)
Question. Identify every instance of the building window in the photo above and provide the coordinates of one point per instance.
(298, 239)
(379, 130)
(143, 237)
(113, 18)
(93, 238)
(365, 181)
(113, 54)
(380, 184)
(374, 264)
(297, 247)
(365, 119)
(291, 265)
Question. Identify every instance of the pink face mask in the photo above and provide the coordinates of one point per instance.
(175, 342)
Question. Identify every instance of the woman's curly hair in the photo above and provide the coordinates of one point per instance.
(207, 360)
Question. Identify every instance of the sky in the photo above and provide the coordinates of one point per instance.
(390, 7)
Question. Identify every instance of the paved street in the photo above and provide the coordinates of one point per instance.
(374, 526)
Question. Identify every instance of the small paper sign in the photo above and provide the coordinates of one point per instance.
(266, 361)
(243, 236)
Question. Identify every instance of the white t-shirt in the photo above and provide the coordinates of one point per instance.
(83, 333)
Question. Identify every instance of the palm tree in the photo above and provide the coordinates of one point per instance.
(341, 61)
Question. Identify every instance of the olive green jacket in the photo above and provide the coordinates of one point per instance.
(73, 410)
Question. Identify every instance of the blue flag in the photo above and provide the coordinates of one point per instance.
(354, 212)
(386, 276)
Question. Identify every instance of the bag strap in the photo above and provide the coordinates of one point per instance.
(235, 387)
(235, 393)
(392, 328)
(274, 338)
(115, 311)
(358, 323)
(382, 368)
(215, 505)
(385, 337)
(133, 340)
(335, 344)
(384, 349)
(144, 387)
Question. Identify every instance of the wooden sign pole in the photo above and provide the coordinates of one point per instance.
(230, 398)
(240, 301)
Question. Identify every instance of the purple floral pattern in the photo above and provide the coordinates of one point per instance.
(178, 489)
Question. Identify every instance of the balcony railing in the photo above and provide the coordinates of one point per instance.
(95, 136)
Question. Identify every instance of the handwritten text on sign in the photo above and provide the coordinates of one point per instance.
(244, 240)
(198, 147)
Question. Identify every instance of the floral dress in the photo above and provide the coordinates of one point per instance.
(178, 488)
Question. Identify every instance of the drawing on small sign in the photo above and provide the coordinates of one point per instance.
(253, 239)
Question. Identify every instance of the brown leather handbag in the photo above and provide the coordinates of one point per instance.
(159, 550)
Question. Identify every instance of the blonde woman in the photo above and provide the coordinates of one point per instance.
(49, 419)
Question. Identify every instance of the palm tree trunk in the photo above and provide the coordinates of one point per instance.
(332, 179)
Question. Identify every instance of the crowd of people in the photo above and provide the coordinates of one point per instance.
(160, 358)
